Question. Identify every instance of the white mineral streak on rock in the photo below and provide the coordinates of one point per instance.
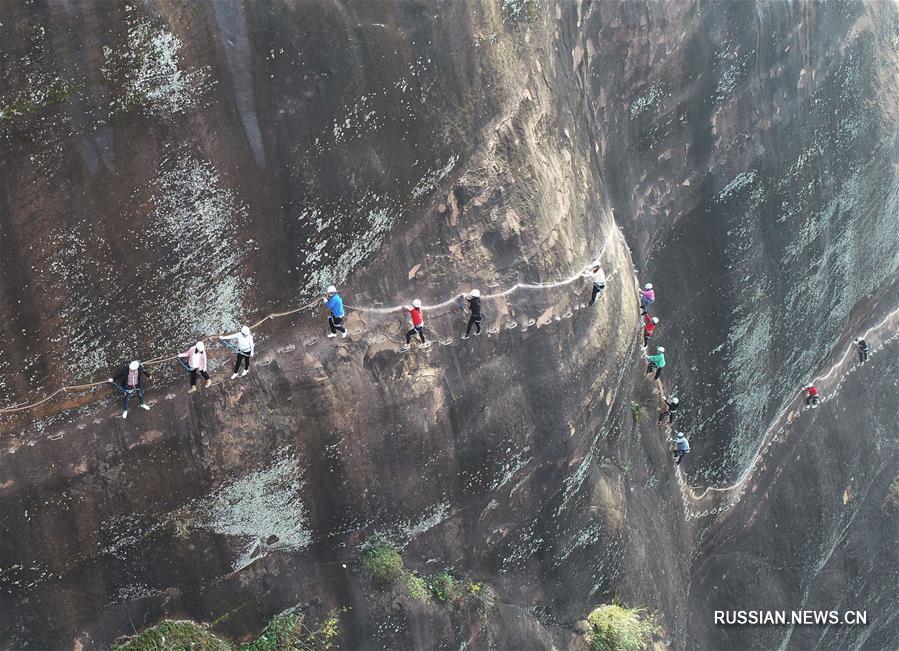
(409, 529)
(200, 221)
(148, 71)
(262, 511)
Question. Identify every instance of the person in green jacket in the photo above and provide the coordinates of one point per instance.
(656, 362)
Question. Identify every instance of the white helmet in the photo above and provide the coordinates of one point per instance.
(416, 303)
(134, 365)
(647, 286)
(681, 435)
(245, 331)
(660, 349)
(201, 347)
(332, 289)
(475, 293)
(809, 386)
(674, 401)
(595, 264)
(655, 319)
(856, 340)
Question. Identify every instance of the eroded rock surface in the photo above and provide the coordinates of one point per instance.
(174, 169)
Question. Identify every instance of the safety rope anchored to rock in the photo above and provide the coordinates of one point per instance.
(18, 407)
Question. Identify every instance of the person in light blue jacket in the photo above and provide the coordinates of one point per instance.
(681, 447)
(334, 303)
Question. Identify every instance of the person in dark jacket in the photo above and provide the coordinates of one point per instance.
(670, 411)
(474, 308)
(128, 382)
(862, 350)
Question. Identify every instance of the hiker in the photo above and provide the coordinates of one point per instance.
(681, 447)
(812, 397)
(474, 308)
(656, 362)
(598, 276)
(671, 404)
(335, 304)
(418, 324)
(196, 362)
(649, 325)
(647, 297)
(128, 382)
(862, 350)
(245, 349)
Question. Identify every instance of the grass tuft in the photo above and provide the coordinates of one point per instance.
(614, 627)
(384, 562)
(637, 411)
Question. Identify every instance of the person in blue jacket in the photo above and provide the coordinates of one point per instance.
(335, 304)
(681, 447)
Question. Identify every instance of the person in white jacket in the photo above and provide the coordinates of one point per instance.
(681, 447)
(595, 273)
(245, 349)
(196, 363)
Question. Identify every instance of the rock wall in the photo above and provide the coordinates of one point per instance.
(173, 169)
(749, 150)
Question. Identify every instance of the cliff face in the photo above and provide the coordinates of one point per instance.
(174, 169)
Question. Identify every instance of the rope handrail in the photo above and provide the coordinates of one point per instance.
(150, 362)
(276, 315)
(747, 472)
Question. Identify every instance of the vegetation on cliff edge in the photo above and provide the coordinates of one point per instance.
(614, 627)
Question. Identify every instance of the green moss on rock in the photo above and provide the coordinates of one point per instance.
(614, 627)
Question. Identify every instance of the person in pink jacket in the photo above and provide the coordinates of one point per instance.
(196, 362)
(647, 298)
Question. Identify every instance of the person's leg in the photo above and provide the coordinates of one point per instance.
(193, 376)
(645, 339)
(670, 417)
(477, 325)
(205, 375)
(808, 400)
(246, 362)
(471, 322)
(658, 373)
(662, 416)
(140, 395)
(679, 457)
(649, 368)
(331, 325)
(409, 336)
(593, 295)
(338, 320)
(237, 363)
(421, 333)
(125, 401)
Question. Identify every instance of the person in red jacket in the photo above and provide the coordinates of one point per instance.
(649, 325)
(812, 397)
(418, 324)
